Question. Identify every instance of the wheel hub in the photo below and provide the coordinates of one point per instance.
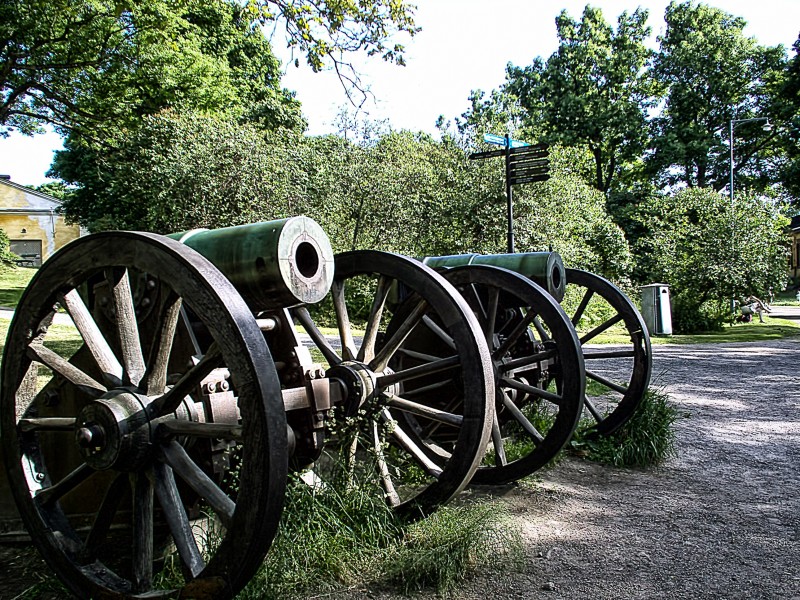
(359, 383)
(114, 431)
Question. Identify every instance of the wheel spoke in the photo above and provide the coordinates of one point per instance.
(343, 320)
(524, 361)
(421, 410)
(419, 355)
(544, 335)
(532, 390)
(301, 314)
(94, 340)
(66, 369)
(166, 324)
(522, 420)
(411, 447)
(440, 333)
(127, 327)
(606, 382)
(512, 338)
(170, 401)
(601, 328)
(367, 351)
(185, 467)
(497, 442)
(105, 515)
(47, 496)
(142, 529)
(491, 316)
(438, 366)
(592, 409)
(381, 360)
(178, 522)
(587, 296)
(47, 424)
(386, 479)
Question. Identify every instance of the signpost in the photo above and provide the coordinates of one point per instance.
(524, 164)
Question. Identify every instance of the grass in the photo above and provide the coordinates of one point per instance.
(772, 329)
(646, 439)
(342, 536)
(13, 281)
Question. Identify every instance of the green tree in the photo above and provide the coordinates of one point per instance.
(222, 173)
(93, 64)
(710, 251)
(594, 91)
(789, 107)
(712, 73)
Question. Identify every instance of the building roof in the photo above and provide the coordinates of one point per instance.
(36, 202)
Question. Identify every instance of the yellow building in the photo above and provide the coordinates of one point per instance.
(33, 223)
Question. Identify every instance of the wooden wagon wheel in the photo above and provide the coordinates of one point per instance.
(417, 473)
(617, 378)
(116, 429)
(538, 369)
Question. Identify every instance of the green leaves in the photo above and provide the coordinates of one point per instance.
(593, 91)
(711, 250)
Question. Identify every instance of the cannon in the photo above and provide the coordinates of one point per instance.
(174, 425)
(194, 393)
(543, 357)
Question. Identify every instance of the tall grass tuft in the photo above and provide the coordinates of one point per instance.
(330, 536)
(443, 549)
(342, 534)
(647, 439)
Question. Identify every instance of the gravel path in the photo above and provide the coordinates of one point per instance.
(722, 520)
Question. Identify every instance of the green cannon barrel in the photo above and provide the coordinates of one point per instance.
(274, 264)
(545, 268)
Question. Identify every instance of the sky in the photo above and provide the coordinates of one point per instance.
(464, 45)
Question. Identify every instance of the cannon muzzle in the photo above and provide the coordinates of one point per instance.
(274, 264)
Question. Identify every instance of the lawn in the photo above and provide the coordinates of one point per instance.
(13, 282)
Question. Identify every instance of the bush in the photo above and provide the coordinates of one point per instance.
(7, 258)
(710, 250)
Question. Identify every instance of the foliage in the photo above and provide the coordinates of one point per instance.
(329, 31)
(569, 216)
(7, 258)
(593, 91)
(220, 174)
(712, 73)
(646, 439)
(789, 113)
(344, 534)
(95, 68)
(710, 250)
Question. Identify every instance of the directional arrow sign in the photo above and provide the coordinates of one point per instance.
(529, 162)
(489, 154)
(529, 172)
(532, 179)
(500, 140)
(527, 149)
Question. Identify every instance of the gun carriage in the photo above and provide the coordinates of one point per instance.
(193, 395)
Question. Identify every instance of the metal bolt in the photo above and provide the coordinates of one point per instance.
(90, 436)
